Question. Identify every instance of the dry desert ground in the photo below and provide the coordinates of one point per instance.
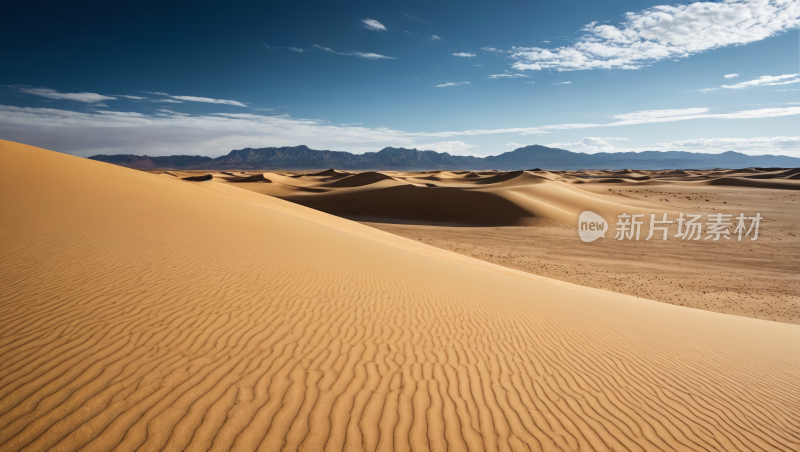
(142, 311)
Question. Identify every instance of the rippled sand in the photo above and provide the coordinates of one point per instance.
(140, 311)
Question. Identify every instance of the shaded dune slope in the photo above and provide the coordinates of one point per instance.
(509, 199)
(144, 312)
(358, 180)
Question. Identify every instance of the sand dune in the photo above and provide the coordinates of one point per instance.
(151, 313)
(510, 198)
(358, 180)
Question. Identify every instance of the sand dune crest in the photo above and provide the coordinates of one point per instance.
(145, 312)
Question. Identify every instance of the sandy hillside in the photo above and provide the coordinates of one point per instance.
(141, 311)
(488, 215)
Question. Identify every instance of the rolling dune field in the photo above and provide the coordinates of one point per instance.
(141, 311)
(489, 216)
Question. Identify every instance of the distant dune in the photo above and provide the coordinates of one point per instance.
(486, 199)
(140, 311)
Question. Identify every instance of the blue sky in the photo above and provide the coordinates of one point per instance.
(462, 77)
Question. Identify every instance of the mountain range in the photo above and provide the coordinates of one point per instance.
(534, 156)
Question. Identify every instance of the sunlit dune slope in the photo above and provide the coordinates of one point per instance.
(145, 312)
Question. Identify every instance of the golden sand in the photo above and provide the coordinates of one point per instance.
(140, 311)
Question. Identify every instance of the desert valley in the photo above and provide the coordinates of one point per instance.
(386, 310)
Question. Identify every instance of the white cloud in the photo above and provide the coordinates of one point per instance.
(514, 144)
(588, 145)
(372, 56)
(327, 49)
(369, 56)
(494, 50)
(169, 132)
(297, 49)
(444, 85)
(751, 146)
(650, 114)
(170, 112)
(125, 114)
(530, 82)
(131, 97)
(665, 32)
(88, 134)
(209, 100)
(465, 54)
(452, 147)
(562, 83)
(508, 75)
(546, 42)
(435, 38)
(764, 80)
(89, 98)
(731, 76)
(178, 99)
(373, 24)
(635, 118)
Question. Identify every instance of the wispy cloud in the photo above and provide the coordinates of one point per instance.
(212, 134)
(731, 76)
(753, 146)
(131, 97)
(494, 50)
(373, 24)
(562, 83)
(297, 49)
(659, 114)
(209, 100)
(465, 54)
(124, 114)
(172, 113)
(435, 38)
(635, 118)
(368, 56)
(665, 32)
(88, 98)
(372, 56)
(443, 85)
(508, 75)
(177, 99)
(765, 80)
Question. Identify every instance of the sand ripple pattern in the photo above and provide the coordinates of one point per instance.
(156, 315)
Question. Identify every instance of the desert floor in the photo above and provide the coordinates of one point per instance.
(759, 279)
(141, 311)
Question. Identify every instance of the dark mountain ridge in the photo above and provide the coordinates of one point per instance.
(302, 157)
